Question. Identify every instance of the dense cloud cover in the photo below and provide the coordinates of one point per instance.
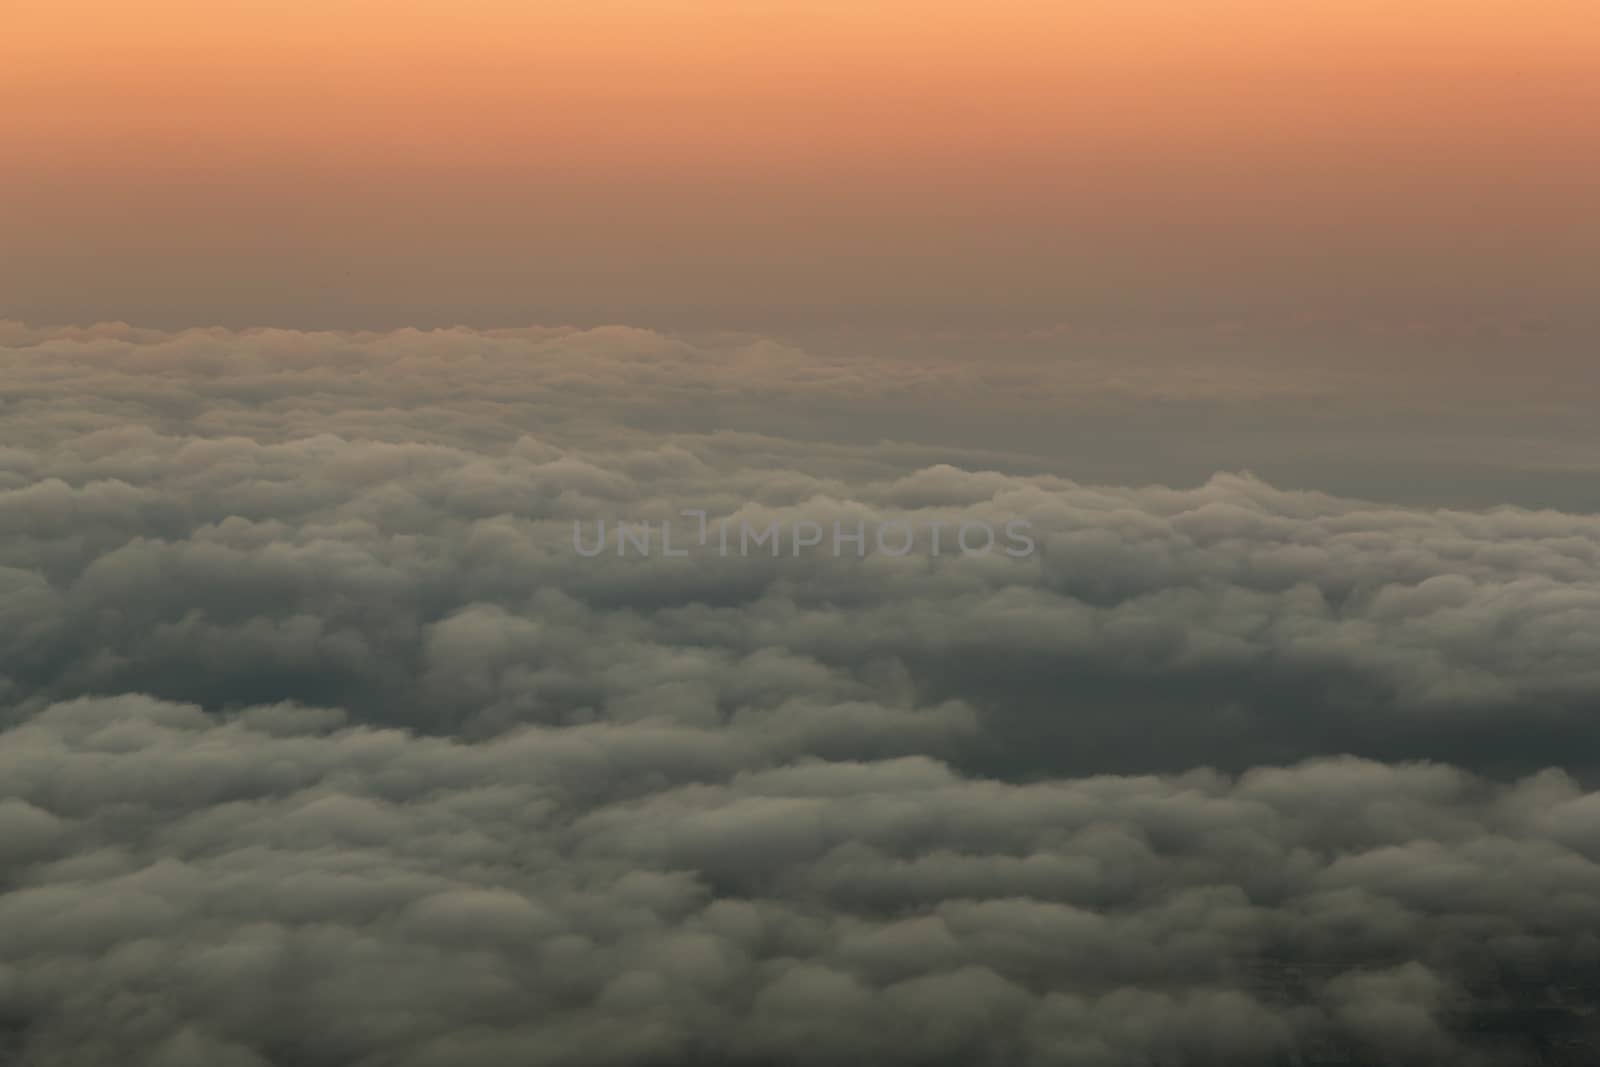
(324, 745)
(278, 887)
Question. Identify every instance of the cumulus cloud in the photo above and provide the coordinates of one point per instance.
(323, 744)
(276, 886)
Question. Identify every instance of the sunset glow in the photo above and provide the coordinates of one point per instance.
(1131, 139)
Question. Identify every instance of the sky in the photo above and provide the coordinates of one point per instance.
(360, 362)
(799, 167)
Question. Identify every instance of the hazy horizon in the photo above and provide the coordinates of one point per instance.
(704, 164)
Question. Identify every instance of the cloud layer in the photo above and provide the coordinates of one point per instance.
(323, 745)
(278, 887)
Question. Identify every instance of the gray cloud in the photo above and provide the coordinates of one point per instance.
(276, 886)
(323, 746)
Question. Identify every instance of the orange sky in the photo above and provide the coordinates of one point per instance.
(362, 162)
